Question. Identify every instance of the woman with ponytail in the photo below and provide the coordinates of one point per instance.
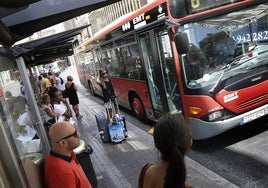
(172, 138)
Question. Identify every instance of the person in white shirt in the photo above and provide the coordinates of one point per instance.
(47, 113)
(62, 108)
(59, 82)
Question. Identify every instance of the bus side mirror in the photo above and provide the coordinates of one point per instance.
(178, 8)
(182, 42)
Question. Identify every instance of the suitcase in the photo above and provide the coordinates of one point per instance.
(103, 127)
(123, 120)
(116, 131)
(117, 127)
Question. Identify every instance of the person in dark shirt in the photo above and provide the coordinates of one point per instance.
(16, 105)
(108, 92)
(71, 93)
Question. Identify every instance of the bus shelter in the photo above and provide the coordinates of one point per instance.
(23, 139)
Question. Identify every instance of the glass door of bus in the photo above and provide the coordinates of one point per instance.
(160, 70)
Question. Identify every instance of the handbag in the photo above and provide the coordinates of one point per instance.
(50, 122)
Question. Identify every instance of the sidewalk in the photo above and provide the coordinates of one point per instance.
(119, 165)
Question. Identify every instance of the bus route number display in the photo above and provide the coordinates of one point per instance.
(247, 37)
(146, 18)
(201, 5)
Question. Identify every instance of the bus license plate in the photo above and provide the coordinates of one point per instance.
(253, 116)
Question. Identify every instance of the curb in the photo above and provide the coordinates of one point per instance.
(209, 175)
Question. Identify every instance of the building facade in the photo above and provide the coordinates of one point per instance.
(106, 15)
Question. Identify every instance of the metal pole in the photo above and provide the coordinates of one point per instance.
(38, 124)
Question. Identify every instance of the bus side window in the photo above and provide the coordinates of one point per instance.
(139, 69)
(135, 66)
(115, 62)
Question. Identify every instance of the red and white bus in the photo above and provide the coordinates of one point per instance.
(206, 59)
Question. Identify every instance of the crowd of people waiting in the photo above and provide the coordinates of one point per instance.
(56, 99)
(171, 135)
(62, 168)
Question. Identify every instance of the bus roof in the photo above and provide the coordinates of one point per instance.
(120, 21)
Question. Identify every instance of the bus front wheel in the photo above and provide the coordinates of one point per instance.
(138, 108)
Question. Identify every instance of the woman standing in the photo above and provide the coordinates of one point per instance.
(71, 93)
(172, 138)
(108, 92)
(47, 113)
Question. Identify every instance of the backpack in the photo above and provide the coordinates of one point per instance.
(61, 81)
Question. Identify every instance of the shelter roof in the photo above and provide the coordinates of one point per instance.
(22, 18)
(45, 50)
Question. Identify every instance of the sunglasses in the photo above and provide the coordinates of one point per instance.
(69, 136)
(104, 73)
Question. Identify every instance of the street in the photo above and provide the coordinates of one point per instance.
(239, 155)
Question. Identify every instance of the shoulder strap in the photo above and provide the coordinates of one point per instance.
(61, 80)
(143, 171)
(72, 85)
(51, 105)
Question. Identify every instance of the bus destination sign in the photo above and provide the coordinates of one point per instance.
(201, 5)
(146, 18)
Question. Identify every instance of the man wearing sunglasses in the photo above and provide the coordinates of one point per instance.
(62, 168)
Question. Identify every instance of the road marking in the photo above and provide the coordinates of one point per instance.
(137, 144)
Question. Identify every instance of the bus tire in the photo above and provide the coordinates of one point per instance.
(138, 108)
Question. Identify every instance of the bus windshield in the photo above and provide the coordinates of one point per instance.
(225, 46)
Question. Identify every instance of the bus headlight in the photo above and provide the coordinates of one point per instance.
(215, 115)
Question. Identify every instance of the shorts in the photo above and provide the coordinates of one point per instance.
(108, 105)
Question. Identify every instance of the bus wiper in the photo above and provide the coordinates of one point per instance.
(248, 54)
(234, 61)
(227, 67)
(211, 91)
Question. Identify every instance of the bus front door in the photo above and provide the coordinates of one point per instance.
(160, 70)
